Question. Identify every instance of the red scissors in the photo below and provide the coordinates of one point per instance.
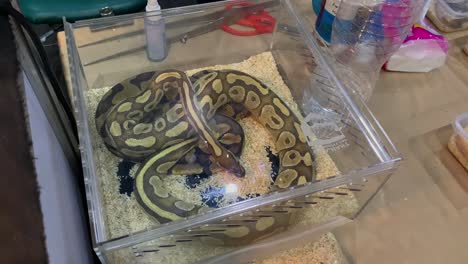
(261, 22)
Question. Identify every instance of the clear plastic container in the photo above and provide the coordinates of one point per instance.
(388, 13)
(450, 15)
(460, 126)
(366, 34)
(353, 156)
(458, 143)
(370, 32)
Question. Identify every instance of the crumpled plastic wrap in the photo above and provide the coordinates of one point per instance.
(422, 51)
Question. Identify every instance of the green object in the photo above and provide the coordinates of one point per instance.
(52, 11)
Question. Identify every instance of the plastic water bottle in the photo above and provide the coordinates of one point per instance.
(155, 31)
(326, 12)
(365, 33)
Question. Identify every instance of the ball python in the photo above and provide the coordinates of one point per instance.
(173, 127)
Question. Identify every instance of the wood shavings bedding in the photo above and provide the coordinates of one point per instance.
(324, 251)
(123, 215)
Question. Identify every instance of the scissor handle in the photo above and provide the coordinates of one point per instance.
(261, 22)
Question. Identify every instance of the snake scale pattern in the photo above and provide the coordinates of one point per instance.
(175, 128)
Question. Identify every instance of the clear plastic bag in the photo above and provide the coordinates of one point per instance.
(422, 51)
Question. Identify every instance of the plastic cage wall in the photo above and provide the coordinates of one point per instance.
(353, 157)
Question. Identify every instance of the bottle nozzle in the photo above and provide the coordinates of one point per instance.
(152, 5)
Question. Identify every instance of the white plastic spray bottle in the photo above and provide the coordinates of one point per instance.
(155, 30)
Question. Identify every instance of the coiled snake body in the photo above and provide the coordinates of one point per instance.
(159, 119)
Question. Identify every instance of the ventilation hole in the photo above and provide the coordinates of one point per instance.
(216, 230)
(325, 197)
(149, 251)
(339, 193)
(249, 220)
(184, 240)
(200, 235)
(233, 225)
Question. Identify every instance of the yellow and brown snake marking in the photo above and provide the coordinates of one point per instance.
(248, 81)
(159, 119)
(144, 97)
(299, 132)
(208, 101)
(286, 177)
(230, 138)
(175, 113)
(172, 142)
(159, 124)
(217, 86)
(128, 124)
(252, 101)
(165, 167)
(301, 180)
(146, 142)
(291, 158)
(285, 140)
(237, 232)
(154, 102)
(184, 206)
(131, 153)
(277, 102)
(187, 169)
(142, 128)
(135, 114)
(270, 118)
(165, 75)
(157, 184)
(177, 129)
(237, 93)
(201, 83)
(125, 107)
(115, 129)
(264, 223)
(229, 111)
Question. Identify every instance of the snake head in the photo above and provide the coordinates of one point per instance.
(231, 164)
(238, 170)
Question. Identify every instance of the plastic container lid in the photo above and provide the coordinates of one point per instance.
(460, 124)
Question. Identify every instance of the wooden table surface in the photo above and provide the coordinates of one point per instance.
(421, 214)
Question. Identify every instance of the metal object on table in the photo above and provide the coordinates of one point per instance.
(106, 11)
(228, 16)
(46, 35)
(179, 38)
(183, 38)
(217, 20)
